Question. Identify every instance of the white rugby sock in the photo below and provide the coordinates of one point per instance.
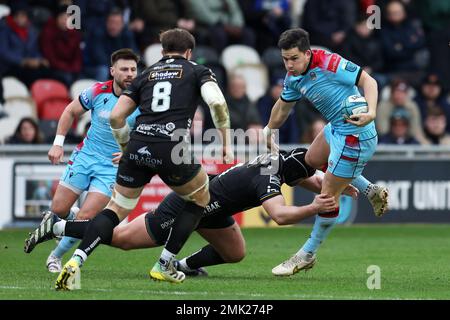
(58, 228)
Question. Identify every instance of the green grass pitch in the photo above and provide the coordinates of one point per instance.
(413, 259)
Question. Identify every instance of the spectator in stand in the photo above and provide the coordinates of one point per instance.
(27, 132)
(221, 22)
(402, 39)
(289, 133)
(435, 124)
(243, 114)
(399, 98)
(150, 17)
(61, 47)
(19, 51)
(329, 21)
(399, 132)
(268, 18)
(432, 94)
(95, 13)
(363, 48)
(435, 16)
(102, 42)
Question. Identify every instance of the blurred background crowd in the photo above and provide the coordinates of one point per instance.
(43, 64)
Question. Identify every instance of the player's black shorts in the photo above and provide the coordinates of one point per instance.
(158, 225)
(142, 160)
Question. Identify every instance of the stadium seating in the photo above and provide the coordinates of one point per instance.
(208, 56)
(256, 78)
(235, 55)
(152, 54)
(13, 88)
(78, 86)
(205, 55)
(7, 127)
(271, 57)
(20, 108)
(51, 98)
(18, 103)
(4, 10)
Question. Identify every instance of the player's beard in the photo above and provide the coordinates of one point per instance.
(123, 85)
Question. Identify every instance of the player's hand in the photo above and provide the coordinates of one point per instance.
(117, 156)
(269, 137)
(56, 154)
(361, 119)
(351, 191)
(324, 203)
(228, 155)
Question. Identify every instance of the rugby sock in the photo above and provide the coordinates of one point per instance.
(207, 256)
(58, 228)
(63, 246)
(99, 230)
(166, 255)
(185, 223)
(322, 226)
(345, 208)
(362, 184)
(75, 228)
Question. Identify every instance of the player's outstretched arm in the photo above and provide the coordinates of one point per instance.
(72, 111)
(118, 120)
(370, 88)
(215, 100)
(283, 214)
(279, 114)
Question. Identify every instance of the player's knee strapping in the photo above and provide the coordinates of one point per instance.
(190, 196)
(124, 202)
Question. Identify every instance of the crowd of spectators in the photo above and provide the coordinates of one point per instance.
(406, 48)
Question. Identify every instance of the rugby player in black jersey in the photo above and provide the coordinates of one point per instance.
(167, 94)
(229, 195)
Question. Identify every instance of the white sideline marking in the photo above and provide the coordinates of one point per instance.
(221, 293)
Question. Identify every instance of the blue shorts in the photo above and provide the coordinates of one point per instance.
(349, 154)
(86, 172)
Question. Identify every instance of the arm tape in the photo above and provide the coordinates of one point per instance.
(214, 98)
(122, 135)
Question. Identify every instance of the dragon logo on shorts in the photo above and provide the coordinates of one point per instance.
(145, 151)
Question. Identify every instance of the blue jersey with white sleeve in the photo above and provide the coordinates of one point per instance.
(327, 82)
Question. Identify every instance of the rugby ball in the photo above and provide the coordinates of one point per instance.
(355, 104)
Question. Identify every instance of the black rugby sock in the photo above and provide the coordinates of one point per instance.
(99, 230)
(185, 223)
(76, 228)
(207, 256)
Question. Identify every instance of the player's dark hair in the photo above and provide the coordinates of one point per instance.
(125, 54)
(177, 40)
(293, 166)
(294, 38)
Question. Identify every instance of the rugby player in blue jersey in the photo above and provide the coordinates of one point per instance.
(344, 146)
(93, 164)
